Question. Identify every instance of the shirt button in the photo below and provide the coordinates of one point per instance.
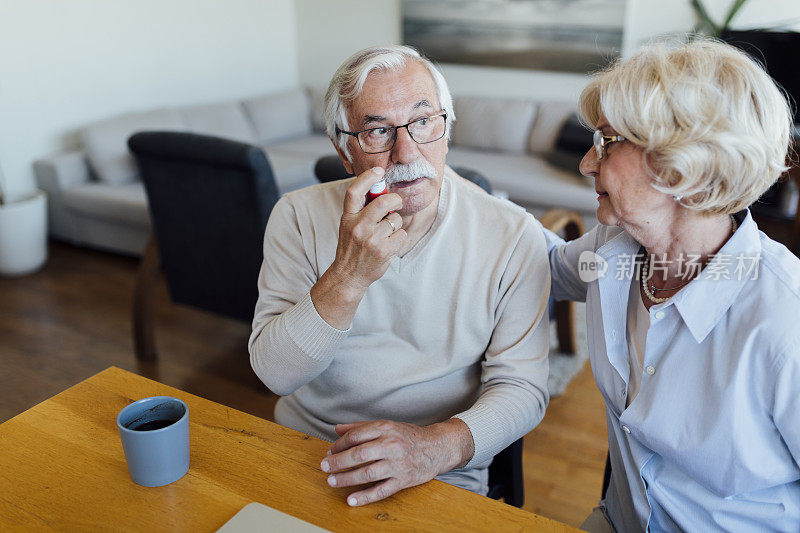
(622, 392)
(650, 370)
(659, 315)
(626, 429)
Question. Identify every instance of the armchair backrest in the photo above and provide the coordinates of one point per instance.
(209, 200)
(505, 475)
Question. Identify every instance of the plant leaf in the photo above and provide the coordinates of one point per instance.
(705, 19)
(735, 7)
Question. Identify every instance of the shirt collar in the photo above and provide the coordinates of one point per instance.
(621, 243)
(704, 302)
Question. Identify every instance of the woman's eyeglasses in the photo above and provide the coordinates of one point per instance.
(601, 141)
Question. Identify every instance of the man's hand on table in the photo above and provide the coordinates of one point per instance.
(394, 456)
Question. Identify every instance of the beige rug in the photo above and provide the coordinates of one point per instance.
(564, 367)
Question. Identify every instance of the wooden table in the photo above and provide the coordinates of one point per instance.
(62, 467)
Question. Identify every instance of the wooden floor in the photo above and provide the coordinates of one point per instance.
(72, 319)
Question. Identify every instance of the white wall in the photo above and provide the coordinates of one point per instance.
(513, 83)
(64, 64)
(328, 32)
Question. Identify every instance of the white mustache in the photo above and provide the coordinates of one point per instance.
(410, 172)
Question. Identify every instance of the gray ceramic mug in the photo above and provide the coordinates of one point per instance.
(155, 437)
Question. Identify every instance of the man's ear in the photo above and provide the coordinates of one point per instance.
(347, 166)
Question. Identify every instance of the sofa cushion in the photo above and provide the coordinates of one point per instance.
(549, 120)
(528, 180)
(316, 97)
(279, 116)
(493, 123)
(106, 142)
(292, 171)
(125, 203)
(571, 144)
(226, 119)
(313, 146)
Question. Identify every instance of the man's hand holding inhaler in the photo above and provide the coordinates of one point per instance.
(370, 236)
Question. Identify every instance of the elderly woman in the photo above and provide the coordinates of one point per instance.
(691, 310)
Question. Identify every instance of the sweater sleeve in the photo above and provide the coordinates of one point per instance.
(290, 344)
(514, 373)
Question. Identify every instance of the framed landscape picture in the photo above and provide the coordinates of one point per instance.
(555, 35)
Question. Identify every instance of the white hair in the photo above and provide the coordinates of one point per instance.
(713, 125)
(349, 78)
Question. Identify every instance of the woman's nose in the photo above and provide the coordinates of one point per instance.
(589, 165)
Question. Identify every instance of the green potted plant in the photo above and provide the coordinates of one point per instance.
(23, 232)
(707, 25)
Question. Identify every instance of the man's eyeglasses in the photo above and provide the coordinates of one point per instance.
(381, 139)
(600, 142)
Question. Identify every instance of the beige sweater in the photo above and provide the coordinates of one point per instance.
(457, 327)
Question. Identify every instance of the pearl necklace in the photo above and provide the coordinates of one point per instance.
(646, 266)
(645, 286)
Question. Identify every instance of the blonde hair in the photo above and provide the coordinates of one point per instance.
(714, 127)
(349, 79)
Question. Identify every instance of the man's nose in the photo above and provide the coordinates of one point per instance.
(589, 165)
(405, 149)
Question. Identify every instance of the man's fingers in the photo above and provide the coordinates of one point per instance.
(341, 429)
(381, 206)
(355, 436)
(397, 240)
(354, 198)
(391, 223)
(377, 471)
(373, 494)
(355, 456)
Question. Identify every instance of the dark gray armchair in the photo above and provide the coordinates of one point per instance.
(209, 199)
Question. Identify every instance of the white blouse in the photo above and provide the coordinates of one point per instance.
(712, 439)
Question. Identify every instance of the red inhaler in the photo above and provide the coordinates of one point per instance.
(379, 189)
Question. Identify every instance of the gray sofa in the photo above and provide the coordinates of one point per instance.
(97, 200)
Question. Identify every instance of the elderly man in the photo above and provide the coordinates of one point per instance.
(411, 330)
